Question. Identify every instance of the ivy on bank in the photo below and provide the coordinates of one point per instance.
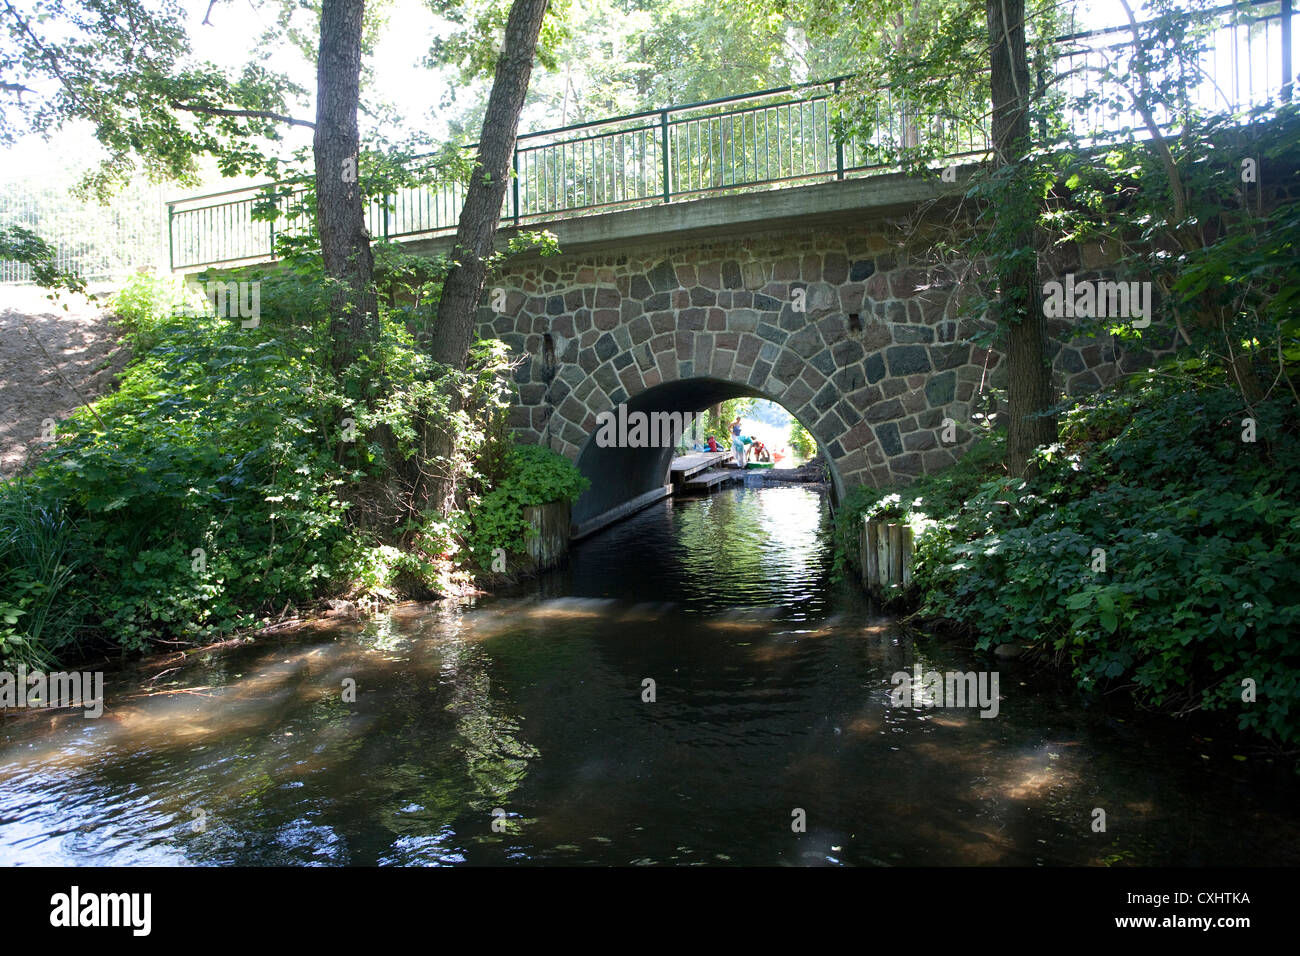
(1153, 549)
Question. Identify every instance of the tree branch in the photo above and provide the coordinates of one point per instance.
(45, 52)
(1157, 138)
(251, 114)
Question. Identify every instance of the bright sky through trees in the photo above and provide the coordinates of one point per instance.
(399, 76)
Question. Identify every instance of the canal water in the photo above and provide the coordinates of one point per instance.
(517, 729)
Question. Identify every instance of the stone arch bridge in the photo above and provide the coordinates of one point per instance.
(829, 300)
(693, 272)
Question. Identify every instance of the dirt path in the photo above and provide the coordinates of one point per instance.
(83, 357)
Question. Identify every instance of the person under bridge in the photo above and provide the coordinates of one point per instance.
(737, 443)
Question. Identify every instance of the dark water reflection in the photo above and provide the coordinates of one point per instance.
(771, 688)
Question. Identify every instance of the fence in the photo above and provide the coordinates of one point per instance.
(752, 141)
(95, 242)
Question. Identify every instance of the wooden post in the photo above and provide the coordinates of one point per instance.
(895, 555)
(871, 562)
(882, 555)
(907, 556)
(885, 554)
(552, 525)
(862, 552)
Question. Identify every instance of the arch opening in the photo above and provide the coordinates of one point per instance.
(619, 475)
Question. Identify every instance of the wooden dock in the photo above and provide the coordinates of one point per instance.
(710, 480)
(688, 466)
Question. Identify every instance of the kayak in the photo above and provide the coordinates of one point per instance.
(760, 464)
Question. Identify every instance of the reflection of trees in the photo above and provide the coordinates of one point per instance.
(755, 547)
(495, 758)
(719, 536)
(455, 751)
(290, 773)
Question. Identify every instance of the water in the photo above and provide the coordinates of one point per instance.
(771, 697)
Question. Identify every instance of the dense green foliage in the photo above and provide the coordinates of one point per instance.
(210, 492)
(1217, 240)
(801, 441)
(1200, 530)
(532, 476)
(231, 476)
(1156, 546)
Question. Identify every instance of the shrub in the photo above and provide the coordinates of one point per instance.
(39, 604)
(1201, 540)
(216, 485)
(533, 476)
(210, 492)
(144, 306)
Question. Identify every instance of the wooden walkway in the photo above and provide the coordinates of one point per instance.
(712, 479)
(693, 473)
(688, 466)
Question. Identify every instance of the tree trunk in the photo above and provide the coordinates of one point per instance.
(1019, 307)
(479, 218)
(481, 214)
(345, 242)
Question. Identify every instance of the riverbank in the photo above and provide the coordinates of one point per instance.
(233, 480)
(1155, 552)
(812, 471)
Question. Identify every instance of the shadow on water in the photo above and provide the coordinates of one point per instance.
(771, 695)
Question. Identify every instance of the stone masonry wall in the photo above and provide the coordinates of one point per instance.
(872, 367)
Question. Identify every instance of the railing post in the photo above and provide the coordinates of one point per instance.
(514, 191)
(839, 144)
(1287, 75)
(270, 223)
(385, 205)
(171, 245)
(663, 125)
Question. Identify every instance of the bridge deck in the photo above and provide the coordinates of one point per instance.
(599, 170)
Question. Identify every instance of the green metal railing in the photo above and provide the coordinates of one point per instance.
(751, 141)
(93, 241)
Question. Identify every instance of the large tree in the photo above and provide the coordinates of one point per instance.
(476, 231)
(340, 213)
(1019, 302)
(481, 213)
